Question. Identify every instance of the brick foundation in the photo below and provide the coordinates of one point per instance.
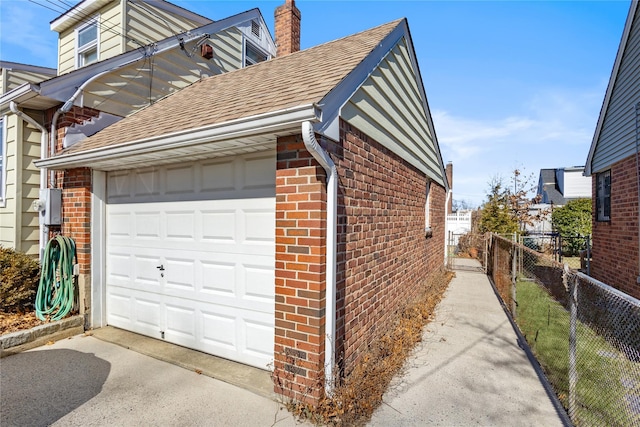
(615, 243)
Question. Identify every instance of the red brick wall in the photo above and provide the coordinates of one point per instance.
(383, 254)
(76, 190)
(615, 243)
(300, 272)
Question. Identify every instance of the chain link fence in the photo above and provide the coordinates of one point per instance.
(584, 333)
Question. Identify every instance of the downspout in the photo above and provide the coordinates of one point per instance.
(43, 172)
(318, 153)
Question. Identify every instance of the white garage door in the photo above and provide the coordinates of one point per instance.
(191, 255)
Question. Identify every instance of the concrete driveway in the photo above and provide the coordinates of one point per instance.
(83, 381)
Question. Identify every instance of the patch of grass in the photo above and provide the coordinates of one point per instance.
(608, 383)
(360, 393)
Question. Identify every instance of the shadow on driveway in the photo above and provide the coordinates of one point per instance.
(39, 387)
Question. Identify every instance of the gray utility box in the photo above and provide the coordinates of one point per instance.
(52, 212)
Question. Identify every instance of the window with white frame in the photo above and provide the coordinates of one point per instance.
(3, 161)
(87, 43)
(603, 196)
(427, 211)
(253, 54)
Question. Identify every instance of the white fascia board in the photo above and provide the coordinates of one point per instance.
(263, 123)
(25, 90)
(612, 81)
(63, 87)
(76, 14)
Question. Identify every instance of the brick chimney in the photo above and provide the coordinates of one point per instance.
(287, 28)
(449, 173)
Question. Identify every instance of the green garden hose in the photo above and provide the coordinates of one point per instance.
(56, 292)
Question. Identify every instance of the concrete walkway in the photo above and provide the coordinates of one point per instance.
(469, 369)
(83, 381)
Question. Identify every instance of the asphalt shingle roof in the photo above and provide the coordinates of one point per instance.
(300, 78)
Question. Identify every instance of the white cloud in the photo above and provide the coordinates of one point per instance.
(552, 129)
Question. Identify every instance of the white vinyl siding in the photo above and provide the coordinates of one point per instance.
(389, 108)
(145, 24)
(13, 78)
(9, 212)
(227, 49)
(30, 186)
(3, 162)
(617, 138)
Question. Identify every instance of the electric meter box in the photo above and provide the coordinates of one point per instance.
(52, 213)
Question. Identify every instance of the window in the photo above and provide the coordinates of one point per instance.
(428, 231)
(603, 196)
(2, 162)
(253, 55)
(87, 43)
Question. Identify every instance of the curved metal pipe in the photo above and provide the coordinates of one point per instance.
(318, 153)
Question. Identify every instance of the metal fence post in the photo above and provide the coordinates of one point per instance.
(514, 275)
(588, 255)
(573, 372)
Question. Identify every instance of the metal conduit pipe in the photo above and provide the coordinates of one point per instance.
(318, 153)
(43, 231)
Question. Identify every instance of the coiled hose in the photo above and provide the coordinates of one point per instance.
(56, 292)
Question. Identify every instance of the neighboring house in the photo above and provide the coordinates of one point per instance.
(558, 186)
(278, 215)
(555, 188)
(613, 166)
(115, 57)
(19, 178)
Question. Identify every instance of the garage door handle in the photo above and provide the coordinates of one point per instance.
(160, 267)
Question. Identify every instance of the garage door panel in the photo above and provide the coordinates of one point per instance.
(180, 323)
(180, 274)
(219, 330)
(258, 337)
(211, 226)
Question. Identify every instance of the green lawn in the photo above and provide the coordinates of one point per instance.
(608, 386)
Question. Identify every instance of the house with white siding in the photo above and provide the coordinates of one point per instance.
(613, 163)
(19, 178)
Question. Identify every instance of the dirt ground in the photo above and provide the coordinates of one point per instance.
(12, 322)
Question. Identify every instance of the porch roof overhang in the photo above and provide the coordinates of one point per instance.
(129, 75)
(244, 135)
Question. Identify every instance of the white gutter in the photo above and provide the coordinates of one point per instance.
(43, 172)
(243, 127)
(318, 153)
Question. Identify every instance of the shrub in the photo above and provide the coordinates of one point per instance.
(19, 277)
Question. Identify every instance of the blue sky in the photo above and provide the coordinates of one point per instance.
(510, 84)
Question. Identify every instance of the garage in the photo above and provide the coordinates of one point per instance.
(190, 255)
